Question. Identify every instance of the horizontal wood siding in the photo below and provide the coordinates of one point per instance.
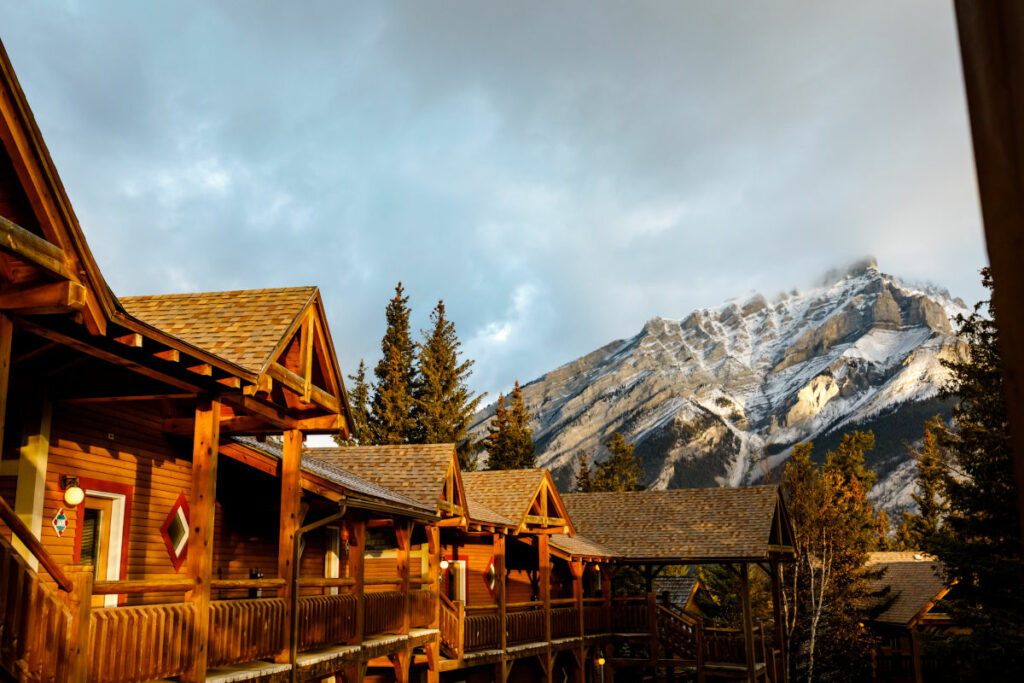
(121, 444)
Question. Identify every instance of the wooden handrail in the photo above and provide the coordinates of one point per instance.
(246, 583)
(446, 601)
(25, 535)
(482, 608)
(563, 601)
(593, 601)
(327, 583)
(680, 617)
(143, 586)
(524, 605)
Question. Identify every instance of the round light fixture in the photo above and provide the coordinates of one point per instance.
(444, 564)
(600, 661)
(74, 495)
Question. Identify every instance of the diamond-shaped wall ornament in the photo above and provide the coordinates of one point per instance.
(174, 531)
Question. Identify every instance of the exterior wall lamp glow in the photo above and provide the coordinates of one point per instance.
(73, 493)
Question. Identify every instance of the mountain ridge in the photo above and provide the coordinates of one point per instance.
(720, 396)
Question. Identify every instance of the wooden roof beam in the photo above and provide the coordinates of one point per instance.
(32, 248)
(57, 297)
(298, 385)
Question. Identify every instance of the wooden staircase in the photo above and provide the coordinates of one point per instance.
(39, 623)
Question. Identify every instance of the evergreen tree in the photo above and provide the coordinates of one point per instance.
(827, 596)
(917, 530)
(391, 420)
(509, 442)
(443, 406)
(358, 400)
(621, 471)
(584, 478)
(979, 539)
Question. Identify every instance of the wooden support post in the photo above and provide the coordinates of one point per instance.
(606, 595)
(32, 464)
(434, 571)
(6, 336)
(205, 446)
(291, 504)
(700, 651)
(780, 627)
(400, 661)
(576, 569)
(915, 649)
(356, 570)
(500, 595)
(460, 635)
(652, 630)
(433, 650)
(403, 535)
(544, 560)
(355, 672)
(79, 600)
(748, 624)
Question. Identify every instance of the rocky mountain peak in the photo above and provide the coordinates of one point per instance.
(721, 395)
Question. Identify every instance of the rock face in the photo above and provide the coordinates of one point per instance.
(721, 396)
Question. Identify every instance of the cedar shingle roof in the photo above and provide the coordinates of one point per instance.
(580, 546)
(914, 580)
(334, 474)
(242, 327)
(680, 588)
(507, 492)
(679, 524)
(414, 470)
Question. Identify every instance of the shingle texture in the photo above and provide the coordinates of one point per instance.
(580, 546)
(914, 579)
(507, 492)
(417, 471)
(681, 524)
(337, 475)
(478, 512)
(679, 588)
(242, 327)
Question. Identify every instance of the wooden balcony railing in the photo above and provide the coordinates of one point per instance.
(423, 605)
(244, 630)
(482, 631)
(565, 622)
(629, 615)
(39, 624)
(452, 621)
(595, 618)
(326, 620)
(140, 643)
(525, 626)
(383, 612)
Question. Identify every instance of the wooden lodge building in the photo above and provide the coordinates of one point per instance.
(161, 519)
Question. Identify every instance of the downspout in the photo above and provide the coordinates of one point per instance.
(294, 640)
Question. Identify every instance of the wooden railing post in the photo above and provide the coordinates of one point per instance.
(433, 650)
(355, 568)
(291, 505)
(462, 627)
(606, 594)
(79, 600)
(205, 445)
(652, 629)
(544, 557)
(780, 627)
(576, 569)
(699, 630)
(748, 626)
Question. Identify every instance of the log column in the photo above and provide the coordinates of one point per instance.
(205, 444)
(356, 524)
(32, 465)
(576, 569)
(544, 558)
(291, 503)
(433, 649)
(748, 624)
(780, 627)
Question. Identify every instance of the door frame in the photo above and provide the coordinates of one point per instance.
(121, 509)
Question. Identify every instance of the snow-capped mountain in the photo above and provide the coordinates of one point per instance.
(721, 396)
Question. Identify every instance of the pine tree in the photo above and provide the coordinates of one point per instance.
(443, 406)
(358, 400)
(622, 470)
(917, 530)
(390, 419)
(979, 539)
(584, 478)
(509, 442)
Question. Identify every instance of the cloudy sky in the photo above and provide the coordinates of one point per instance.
(557, 172)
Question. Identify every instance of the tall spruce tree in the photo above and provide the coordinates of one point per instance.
(620, 471)
(509, 442)
(917, 530)
(391, 420)
(979, 539)
(358, 401)
(443, 406)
